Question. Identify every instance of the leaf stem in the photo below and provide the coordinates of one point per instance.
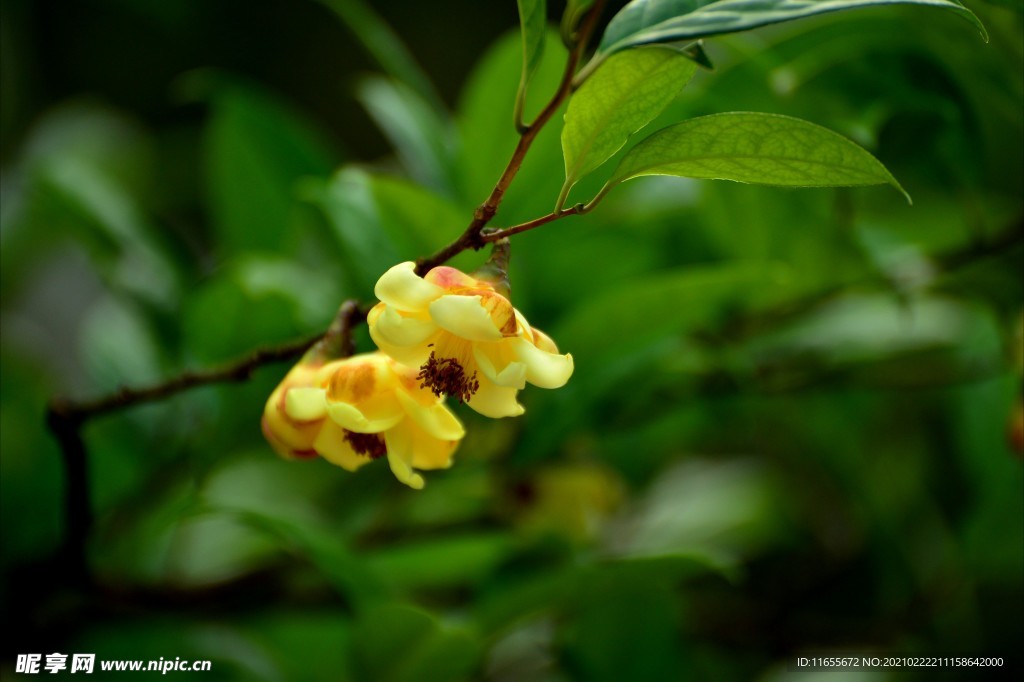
(494, 236)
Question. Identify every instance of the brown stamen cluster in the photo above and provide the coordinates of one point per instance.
(445, 376)
(367, 444)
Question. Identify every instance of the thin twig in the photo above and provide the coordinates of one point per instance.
(240, 370)
(495, 235)
(471, 237)
(65, 419)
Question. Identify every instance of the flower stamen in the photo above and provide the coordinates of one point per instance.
(367, 444)
(446, 376)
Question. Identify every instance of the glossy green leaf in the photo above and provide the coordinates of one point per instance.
(533, 16)
(763, 149)
(642, 22)
(623, 96)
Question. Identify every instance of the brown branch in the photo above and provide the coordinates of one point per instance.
(495, 235)
(65, 417)
(471, 237)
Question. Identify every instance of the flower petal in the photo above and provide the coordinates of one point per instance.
(431, 453)
(413, 356)
(402, 288)
(491, 356)
(450, 278)
(406, 290)
(464, 316)
(399, 330)
(305, 404)
(286, 436)
(544, 369)
(435, 419)
(543, 341)
(332, 446)
(495, 401)
(352, 418)
(400, 443)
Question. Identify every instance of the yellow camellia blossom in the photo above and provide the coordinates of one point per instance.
(355, 410)
(465, 337)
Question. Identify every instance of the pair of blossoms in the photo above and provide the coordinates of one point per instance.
(444, 334)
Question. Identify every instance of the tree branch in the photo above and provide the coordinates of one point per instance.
(471, 237)
(65, 419)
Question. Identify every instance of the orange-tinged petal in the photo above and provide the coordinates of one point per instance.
(451, 279)
(543, 341)
(359, 378)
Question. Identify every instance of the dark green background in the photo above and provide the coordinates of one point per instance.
(789, 426)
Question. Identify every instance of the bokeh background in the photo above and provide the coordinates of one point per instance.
(795, 423)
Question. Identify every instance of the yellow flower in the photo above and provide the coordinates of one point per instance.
(359, 409)
(465, 337)
(290, 437)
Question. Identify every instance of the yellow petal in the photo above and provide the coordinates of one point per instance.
(490, 356)
(544, 369)
(288, 438)
(464, 316)
(398, 330)
(352, 418)
(543, 341)
(402, 288)
(333, 447)
(359, 378)
(413, 356)
(435, 419)
(305, 404)
(400, 443)
(495, 401)
(431, 453)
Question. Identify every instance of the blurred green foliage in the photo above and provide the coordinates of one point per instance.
(788, 425)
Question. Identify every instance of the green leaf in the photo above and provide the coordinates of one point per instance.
(452, 561)
(652, 649)
(256, 149)
(422, 138)
(623, 96)
(381, 42)
(643, 22)
(404, 644)
(763, 149)
(533, 15)
(351, 212)
(574, 11)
